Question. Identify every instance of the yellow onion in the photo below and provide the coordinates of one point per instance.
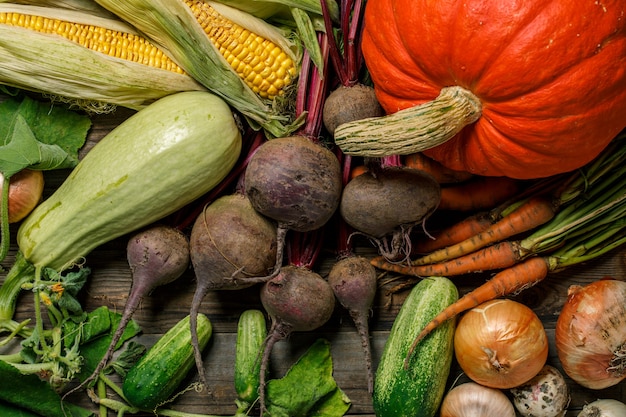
(474, 400)
(591, 333)
(25, 190)
(501, 344)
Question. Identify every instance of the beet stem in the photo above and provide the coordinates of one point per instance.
(201, 291)
(362, 325)
(279, 330)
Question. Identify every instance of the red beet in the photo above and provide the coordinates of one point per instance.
(296, 299)
(296, 182)
(385, 204)
(156, 256)
(230, 243)
(353, 280)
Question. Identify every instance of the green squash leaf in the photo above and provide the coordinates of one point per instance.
(308, 388)
(39, 136)
(34, 394)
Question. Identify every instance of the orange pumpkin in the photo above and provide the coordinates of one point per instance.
(550, 77)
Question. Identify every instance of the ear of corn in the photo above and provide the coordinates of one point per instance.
(175, 26)
(47, 50)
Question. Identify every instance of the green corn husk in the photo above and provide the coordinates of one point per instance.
(171, 25)
(266, 9)
(60, 68)
(88, 6)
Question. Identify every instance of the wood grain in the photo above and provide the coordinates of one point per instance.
(110, 282)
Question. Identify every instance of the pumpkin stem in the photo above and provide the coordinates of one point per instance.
(413, 129)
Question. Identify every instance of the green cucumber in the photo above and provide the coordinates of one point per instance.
(155, 162)
(251, 334)
(157, 375)
(416, 391)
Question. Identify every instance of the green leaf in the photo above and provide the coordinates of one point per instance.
(129, 357)
(336, 403)
(95, 349)
(56, 125)
(9, 410)
(33, 394)
(39, 136)
(308, 388)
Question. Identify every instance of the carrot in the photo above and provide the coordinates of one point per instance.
(358, 170)
(455, 233)
(498, 256)
(532, 213)
(479, 193)
(506, 282)
(439, 172)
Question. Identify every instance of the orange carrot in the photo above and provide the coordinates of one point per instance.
(358, 170)
(507, 282)
(531, 214)
(458, 232)
(479, 193)
(440, 173)
(498, 256)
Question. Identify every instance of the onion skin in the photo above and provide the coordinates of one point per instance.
(604, 408)
(25, 192)
(474, 400)
(501, 344)
(590, 334)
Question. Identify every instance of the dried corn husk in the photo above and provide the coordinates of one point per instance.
(55, 66)
(171, 25)
(88, 6)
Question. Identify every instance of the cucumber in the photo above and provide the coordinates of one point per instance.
(155, 162)
(251, 333)
(418, 390)
(157, 375)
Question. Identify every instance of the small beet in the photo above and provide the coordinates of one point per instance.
(296, 299)
(388, 203)
(295, 182)
(157, 256)
(353, 280)
(230, 243)
(348, 104)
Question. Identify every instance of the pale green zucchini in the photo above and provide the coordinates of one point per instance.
(416, 391)
(157, 161)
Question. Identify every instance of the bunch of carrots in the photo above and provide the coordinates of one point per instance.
(556, 223)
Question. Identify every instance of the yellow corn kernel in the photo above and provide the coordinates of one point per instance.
(122, 45)
(263, 66)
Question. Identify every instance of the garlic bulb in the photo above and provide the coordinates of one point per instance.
(473, 400)
(604, 408)
(545, 395)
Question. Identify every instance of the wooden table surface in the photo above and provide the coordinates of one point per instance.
(110, 282)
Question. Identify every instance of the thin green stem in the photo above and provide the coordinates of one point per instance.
(5, 234)
(20, 273)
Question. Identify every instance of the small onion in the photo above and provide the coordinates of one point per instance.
(591, 334)
(501, 344)
(545, 395)
(604, 408)
(25, 191)
(473, 400)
